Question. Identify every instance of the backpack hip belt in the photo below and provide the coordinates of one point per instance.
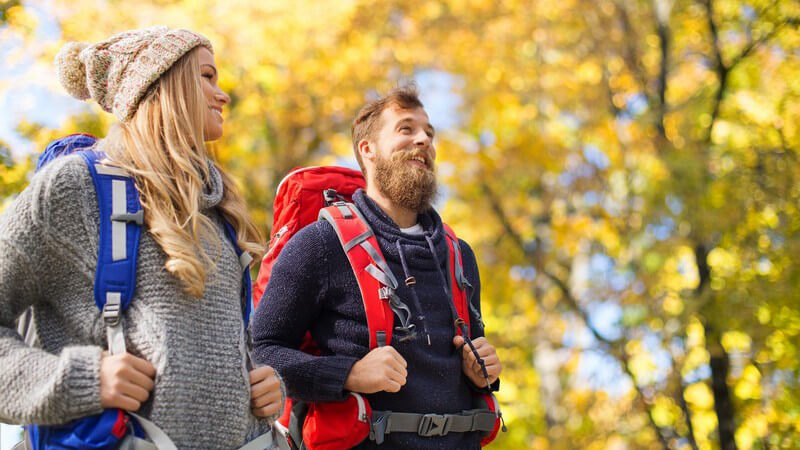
(428, 425)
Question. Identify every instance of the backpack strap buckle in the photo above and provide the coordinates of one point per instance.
(434, 425)
(112, 308)
(330, 196)
(137, 217)
(114, 330)
(379, 427)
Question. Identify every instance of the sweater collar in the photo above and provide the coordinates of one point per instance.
(415, 247)
(213, 190)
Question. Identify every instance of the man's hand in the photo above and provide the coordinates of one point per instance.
(382, 369)
(265, 392)
(470, 365)
(125, 381)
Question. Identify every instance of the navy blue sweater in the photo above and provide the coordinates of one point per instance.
(312, 287)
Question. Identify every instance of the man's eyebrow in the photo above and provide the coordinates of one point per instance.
(428, 126)
(212, 67)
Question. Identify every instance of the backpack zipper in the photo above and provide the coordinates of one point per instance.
(362, 409)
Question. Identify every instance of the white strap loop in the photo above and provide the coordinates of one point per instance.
(119, 206)
(156, 434)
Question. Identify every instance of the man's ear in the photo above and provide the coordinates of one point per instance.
(366, 150)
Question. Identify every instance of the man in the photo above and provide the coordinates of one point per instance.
(427, 369)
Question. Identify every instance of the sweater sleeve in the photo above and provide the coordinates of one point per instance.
(290, 305)
(42, 387)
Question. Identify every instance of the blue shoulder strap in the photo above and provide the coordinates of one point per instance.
(121, 219)
(244, 259)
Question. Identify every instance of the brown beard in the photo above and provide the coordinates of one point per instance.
(404, 184)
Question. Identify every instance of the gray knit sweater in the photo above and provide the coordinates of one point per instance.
(48, 257)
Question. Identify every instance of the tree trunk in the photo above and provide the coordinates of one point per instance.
(723, 405)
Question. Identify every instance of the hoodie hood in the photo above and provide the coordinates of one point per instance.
(415, 248)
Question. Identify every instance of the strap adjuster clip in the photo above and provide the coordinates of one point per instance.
(434, 425)
(137, 217)
(111, 313)
(378, 427)
(385, 293)
(330, 195)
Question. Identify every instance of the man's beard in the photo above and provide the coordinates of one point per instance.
(406, 184)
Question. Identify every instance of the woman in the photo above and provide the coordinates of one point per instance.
(185, 366)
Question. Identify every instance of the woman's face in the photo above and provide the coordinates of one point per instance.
(215, 98)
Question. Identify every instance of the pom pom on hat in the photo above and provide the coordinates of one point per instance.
(71, 71)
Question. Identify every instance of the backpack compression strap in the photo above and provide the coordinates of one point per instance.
(375, 279)
(458, 282)
(121, 219)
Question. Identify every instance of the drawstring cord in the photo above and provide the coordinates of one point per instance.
(458, 321)
(410, 281)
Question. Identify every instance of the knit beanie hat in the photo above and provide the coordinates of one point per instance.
(117, 72)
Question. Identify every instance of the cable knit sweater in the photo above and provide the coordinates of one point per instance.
(312, 287)
(48, 257)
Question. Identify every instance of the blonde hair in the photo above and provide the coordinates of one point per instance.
(163, 147)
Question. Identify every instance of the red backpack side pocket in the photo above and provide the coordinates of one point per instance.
(337, 425)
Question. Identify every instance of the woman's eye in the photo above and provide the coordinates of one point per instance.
(209, 76)
(405, 128)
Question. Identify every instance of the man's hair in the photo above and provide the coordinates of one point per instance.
(367, 121)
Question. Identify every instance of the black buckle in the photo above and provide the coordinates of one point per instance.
(434, 425)
(329, 195)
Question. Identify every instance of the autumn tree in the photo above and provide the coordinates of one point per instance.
(625, 170)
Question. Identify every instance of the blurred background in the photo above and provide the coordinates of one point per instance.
(624, 169)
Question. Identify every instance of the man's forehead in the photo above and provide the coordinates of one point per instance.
(396, 113)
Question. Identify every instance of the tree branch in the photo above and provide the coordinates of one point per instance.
(662, 28)
(613, 347)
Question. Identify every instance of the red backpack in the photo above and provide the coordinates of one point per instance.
(308, 194)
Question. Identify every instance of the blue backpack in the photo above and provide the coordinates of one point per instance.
(121, 220)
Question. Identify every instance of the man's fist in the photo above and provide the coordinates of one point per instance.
(382, 369)
(470, 365)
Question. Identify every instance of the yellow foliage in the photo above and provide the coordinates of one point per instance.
(699, 396)
(534, 83)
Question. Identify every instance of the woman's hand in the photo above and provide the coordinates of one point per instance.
(265, 392)
(125, 381)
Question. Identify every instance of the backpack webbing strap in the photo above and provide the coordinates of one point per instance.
(295, 431)
(457, 280)
(369, 267)
(121, 219)
(244, 260)
(156, 434)
(428, 425)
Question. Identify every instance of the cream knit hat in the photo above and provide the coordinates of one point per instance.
(117, 72)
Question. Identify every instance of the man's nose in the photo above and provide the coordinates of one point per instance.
(422, 139)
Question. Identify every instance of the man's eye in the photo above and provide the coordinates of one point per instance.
(405, 128)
